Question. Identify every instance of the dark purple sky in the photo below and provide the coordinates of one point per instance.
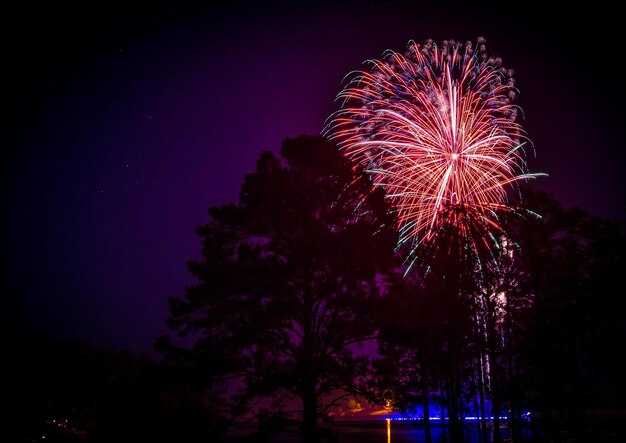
(123, 124)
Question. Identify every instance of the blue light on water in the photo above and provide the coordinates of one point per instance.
(395, 417)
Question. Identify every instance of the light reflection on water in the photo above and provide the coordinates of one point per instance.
(381, 431)
(393, 432)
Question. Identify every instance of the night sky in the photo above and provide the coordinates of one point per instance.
(123, 124)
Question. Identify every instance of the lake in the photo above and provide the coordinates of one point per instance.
(375, 431)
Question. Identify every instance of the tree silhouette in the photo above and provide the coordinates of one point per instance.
(502, 335)
(427, 337)
(573, 265)
(75, 391)
(284, 282)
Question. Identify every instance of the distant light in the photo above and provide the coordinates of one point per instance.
(455, 156)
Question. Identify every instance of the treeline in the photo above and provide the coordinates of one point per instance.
(58, 391)
(305, 265)
(303, 268)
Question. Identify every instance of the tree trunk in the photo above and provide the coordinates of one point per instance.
(309, 376)
(513, 412)
(481, 393)
(309, 418)
(495, 383)
(456, 432)
(425, 407)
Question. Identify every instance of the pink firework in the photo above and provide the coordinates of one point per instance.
(436, 129)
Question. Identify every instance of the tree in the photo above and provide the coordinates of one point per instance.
(285, 279)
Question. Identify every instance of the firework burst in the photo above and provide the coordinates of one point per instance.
(436, 129)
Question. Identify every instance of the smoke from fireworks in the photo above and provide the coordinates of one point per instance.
(436, 129)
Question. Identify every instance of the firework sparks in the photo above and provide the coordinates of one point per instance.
(436, 129)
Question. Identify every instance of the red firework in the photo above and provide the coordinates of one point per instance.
(436, 129)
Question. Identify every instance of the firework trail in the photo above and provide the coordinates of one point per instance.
(436, 129)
